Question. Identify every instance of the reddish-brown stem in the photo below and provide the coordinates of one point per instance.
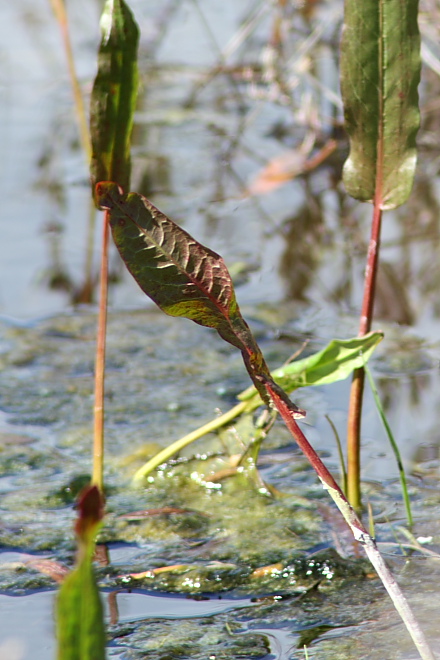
(371, 272)
(287, 411)
(360, 533)
(98, 425)
(357, 386)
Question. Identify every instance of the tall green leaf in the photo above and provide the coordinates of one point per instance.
(79, 611)
(380, 72)
(114, 95)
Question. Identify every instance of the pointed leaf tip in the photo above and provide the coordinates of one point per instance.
(90, 511)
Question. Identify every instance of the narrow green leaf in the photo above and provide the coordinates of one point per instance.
(334, 362)
(80, 618)
(114, 93)
(380, 72)
(393, 444)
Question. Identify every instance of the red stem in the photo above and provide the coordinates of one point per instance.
(286, 413)
(357, 386)
(371, 272)
(98, 425)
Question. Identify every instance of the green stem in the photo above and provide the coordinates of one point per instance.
(180, 444)
(340, 454)
(393, 444)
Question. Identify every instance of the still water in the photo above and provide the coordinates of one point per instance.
(218, 102)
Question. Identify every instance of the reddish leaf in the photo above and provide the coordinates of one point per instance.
(183, 277)
(49, 567)
(91, 512)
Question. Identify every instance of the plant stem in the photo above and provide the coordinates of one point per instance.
(340, 454)
(394, 446)
(98, 410)
(353, 439)
(357, 386)
(180, 444)
(360, 533)
(59, 10)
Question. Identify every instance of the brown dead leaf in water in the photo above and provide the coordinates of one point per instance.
(150, 573)
(263, 571)
(288, 166)
(49, 567)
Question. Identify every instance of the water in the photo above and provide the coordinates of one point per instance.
(298, 256)
(27, 633)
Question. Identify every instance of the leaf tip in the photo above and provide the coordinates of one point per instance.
(90, 510)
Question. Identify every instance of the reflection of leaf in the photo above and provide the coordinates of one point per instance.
(288, 166)
(380, 72)
(114, 95)
(80, 618)
(335, 362)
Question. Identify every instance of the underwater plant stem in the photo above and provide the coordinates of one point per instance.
(180, 444)
(359, 531)
(59, 9)
(357, 385)
(98, 410)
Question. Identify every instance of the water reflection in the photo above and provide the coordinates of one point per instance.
(223, 95)
(236, 92)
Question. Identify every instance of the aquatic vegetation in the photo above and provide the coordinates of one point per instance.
(202, 532)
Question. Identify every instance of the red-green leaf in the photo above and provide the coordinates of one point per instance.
(183, 277)
(91, 512)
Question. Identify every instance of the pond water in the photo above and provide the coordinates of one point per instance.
(219, 102)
